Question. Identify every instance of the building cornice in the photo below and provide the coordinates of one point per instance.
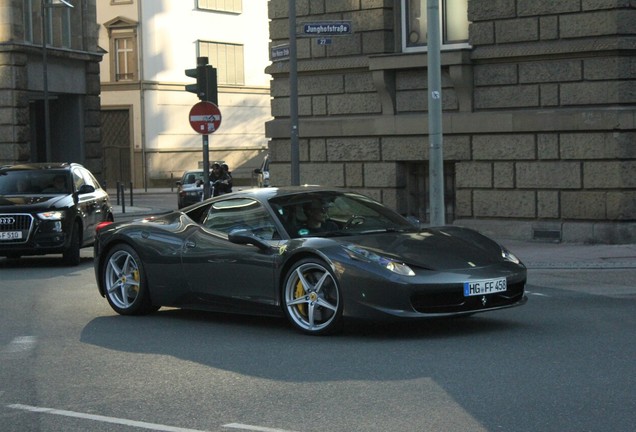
(51, 51)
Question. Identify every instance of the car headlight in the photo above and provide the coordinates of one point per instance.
(51, 215)
(509, 256)
(397, 267)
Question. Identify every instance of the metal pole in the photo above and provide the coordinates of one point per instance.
(436, 155)
(206, 167)
(45, 82)
(123, 198)
(293, 96)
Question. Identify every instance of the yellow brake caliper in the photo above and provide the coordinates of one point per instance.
(300, 292)
(135, 275)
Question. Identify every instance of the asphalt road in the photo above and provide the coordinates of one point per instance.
(563, 362)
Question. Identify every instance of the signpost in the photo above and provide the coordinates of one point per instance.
(321, 31)
(205, 118)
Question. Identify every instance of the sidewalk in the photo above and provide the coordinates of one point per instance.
(534, 254)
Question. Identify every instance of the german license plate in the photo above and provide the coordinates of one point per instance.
(485, 286)
(10, 235)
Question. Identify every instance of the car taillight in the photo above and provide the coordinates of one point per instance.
(102, 225)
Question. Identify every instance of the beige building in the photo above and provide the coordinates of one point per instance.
(539, 111)
(147, 137)
(61, 75)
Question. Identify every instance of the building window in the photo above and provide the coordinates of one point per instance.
(453, 24)
(58, 25)
(28, 21)
(234, 6)
(123, 52)
(227, 59)
(125, 58)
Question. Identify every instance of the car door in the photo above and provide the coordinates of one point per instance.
(227, 275)
(87, 205)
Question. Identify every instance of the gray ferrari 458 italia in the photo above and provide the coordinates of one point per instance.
(314, 255)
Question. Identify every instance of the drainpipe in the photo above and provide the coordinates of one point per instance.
(142, 98)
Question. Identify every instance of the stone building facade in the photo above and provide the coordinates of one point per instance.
(539, 113)
(72, 68)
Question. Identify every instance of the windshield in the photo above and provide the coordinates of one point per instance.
(335, 213)
(26, 182)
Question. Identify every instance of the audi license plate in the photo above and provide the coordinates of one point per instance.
(486, 286)
(10, 235)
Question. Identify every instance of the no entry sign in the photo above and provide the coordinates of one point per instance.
(205, 118)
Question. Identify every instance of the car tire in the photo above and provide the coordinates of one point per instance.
(71, 256)
(312, 300)
(124, 282)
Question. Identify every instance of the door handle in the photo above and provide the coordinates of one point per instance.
(190, 244)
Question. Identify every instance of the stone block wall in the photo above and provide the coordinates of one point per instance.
(539, 113)
(20, 60)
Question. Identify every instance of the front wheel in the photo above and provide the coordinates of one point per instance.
(312, 298)
(124, 281)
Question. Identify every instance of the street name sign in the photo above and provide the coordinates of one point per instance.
(327, 28)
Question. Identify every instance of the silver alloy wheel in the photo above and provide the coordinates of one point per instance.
(122, 279)
(312, 298)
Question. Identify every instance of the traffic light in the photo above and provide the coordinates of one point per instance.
(206, 85)
(211, 88)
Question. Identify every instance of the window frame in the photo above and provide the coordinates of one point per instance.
(222, 70)
(407, 48)
(236, 8)
(132, 68)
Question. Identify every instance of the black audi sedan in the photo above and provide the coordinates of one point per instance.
(50, 208)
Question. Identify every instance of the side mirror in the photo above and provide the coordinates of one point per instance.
(257, 171)
(84, 189)
(245, 237)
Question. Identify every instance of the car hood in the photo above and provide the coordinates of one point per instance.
(434, 249)
(27, 203)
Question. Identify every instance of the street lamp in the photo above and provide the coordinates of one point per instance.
(45, 5)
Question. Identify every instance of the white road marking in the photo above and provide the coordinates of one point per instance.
(103, 419)
(253, 428)
(20, 345)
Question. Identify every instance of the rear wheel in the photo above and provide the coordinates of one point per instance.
(71, 256)
(124, 281)
(312, 299)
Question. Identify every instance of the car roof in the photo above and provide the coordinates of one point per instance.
(271, 192)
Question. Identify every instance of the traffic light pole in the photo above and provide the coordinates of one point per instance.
(206, 166)
(207, 90)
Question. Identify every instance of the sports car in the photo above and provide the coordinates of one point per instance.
(314, 255)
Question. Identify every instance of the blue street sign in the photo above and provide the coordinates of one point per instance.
(327, 28)
(280, 52)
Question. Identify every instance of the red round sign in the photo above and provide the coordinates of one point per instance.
(205, 118)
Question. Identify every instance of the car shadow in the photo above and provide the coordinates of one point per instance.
(270, 348)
